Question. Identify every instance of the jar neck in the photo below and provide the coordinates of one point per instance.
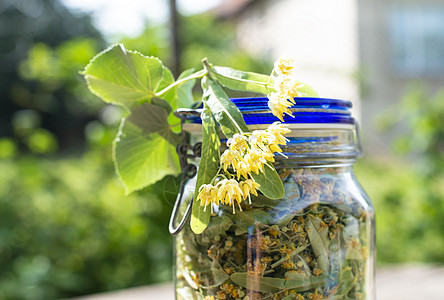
(310, 145)
(320, 145)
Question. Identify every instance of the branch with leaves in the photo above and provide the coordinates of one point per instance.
(144, 149)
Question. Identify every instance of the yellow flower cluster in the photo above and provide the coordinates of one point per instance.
(286, 88)
(227, 191)
(246, 153)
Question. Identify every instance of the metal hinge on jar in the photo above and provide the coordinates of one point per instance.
(185, 151)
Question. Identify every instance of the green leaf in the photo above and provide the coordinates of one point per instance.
(347, 280)
(217, 226)
(208, 167)
(270, 183)
(185, 90)
(245, 219)
(169, 96)
(162, 103)
(262, 201)
(123, 77)
(318, 237)
(181, 95)
(145, 148)
(178, 96)
(240, 80)
(274, 285)
(296, 275)
(214, 279)
(225, 112)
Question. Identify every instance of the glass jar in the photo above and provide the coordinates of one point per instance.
(317, 242)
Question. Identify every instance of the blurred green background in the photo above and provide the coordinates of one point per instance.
(66, 228)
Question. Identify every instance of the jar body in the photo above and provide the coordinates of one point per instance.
(317, 242)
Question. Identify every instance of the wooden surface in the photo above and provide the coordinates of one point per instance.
(402, 282)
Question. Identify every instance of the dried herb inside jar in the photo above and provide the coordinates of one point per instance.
(311, 244)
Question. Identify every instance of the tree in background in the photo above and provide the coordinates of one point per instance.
(200, 36)
(407, 188)
(42, 46)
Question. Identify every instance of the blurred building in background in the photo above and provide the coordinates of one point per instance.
(401, 42)
(364, 51)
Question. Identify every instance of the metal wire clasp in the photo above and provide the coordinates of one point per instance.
(188, 170)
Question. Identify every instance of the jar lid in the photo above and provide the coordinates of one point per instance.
(306, 110)
(316, 122)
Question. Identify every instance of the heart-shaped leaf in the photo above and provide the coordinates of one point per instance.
(123, 77)
(145, 148)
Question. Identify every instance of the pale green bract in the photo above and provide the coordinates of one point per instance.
(208, 167)
(252, 82)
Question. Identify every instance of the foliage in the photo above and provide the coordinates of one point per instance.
(43, 46)
(66, 229)
(408, 192)
(422, 115)
(198, 40)
(409, 211)
(207, 168)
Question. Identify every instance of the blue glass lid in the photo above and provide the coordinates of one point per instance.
(306, 110)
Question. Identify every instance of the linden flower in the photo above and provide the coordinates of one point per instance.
(231, 158)
(279, 104)
(208, 195)
(229, 192)
(278, 130)
(246, 153)
(275, 148)
(243, 169)
(286, 88)
(256, 151)
(259, 139)
(289, 86)
(238, 142)
(284, 66)
(248, 187)
(255, 161)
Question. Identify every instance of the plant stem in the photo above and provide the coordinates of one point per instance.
(206, 65)
(196, 75)
(217, 174)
